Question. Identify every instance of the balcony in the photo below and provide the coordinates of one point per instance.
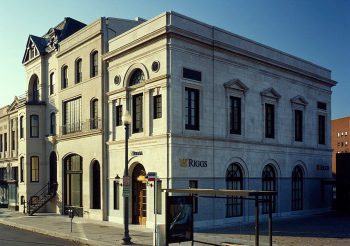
(26, 99)
(87, 127)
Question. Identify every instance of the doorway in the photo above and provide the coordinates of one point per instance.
(53, 172)
(73, 180)
(139, 195)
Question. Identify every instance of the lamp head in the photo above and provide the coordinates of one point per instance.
(126, 118)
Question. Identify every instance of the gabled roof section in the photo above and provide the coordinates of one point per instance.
(299, 100)
(42, 45)
(236, 84)
(13, 105)
(270, 93)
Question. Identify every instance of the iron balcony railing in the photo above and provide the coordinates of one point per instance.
(81, 127)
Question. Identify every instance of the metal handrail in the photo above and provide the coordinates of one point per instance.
(49, 188)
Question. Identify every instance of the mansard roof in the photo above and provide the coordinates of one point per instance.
(50, 40)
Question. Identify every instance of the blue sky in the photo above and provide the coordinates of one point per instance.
(315, 30)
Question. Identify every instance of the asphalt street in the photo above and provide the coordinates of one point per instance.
(10, 236)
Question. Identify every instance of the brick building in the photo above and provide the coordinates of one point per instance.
(340, 138)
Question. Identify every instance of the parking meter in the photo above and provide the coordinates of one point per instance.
(71, 214)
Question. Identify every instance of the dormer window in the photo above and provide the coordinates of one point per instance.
(137, 77)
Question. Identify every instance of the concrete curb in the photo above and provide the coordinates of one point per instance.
(55, 234)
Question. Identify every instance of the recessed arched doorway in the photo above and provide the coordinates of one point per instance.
(139, 195)
(96, 185)
(73, 181)
(53, 171)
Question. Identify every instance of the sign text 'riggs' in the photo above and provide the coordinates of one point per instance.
(192, 163)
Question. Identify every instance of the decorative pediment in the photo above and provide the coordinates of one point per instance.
(237, 85)
(270, 93)
(13, 105)
(299, 100)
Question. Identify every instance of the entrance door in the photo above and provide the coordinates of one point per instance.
(139, 197)
(53, 168)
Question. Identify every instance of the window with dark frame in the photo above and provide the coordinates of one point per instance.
(191, 74)
(21, 127)
(34, 169)
(235, 115)
(94, 64)
(268, 184)
(118, 115)
(94, 114)
(321, 129)
(193, 184)
(191, 109)
(269, 120)
(53, 124)
(157, 107)
(21, 171)
(322, 105)
(137, 77)
(72, 116)
(64, 77)
(14, 172)
(1, 143)
(234, 181)
(137, 107)
(5, 142)
(298, 125)
(34, 126)
(78, 73)
(52, 84)
(297, 188)
(115, 195)
(13, 140)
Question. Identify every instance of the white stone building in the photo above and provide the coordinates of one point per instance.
(210, 109)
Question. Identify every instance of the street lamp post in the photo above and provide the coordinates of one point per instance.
(126, 239)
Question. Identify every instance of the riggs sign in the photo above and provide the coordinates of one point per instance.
(192, 163)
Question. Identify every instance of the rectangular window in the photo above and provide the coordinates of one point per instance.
(78, 73)
(64, 77)
(34, 126)
(34, 169)
(191, 74)
(321, 129)
(192, 109)
(21, 128)
(118, 115)
(298, 125)
(235, 115)
(14, 173)
(21, 174)
(137, 105)
(13, 140)
(115, 195)
(157, 107)
(159, 197)
(52, 84)
(0, 142)
(322, 105)
(193, 184)
(5, 142)
(53, 124)
(269, 120)
(72, 116)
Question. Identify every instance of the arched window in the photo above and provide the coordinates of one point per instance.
(234, 181)
(52, 84)
(137, 77)
(35, 92)
(297, 188)
(64, 77)
(96, 185)
(78, 73)
(268, 184)
(94, 114)
(73, 180)
(94, 63)
(53, 124)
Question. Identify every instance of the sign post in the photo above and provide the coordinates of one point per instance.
(152, 176)
(126, 186)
